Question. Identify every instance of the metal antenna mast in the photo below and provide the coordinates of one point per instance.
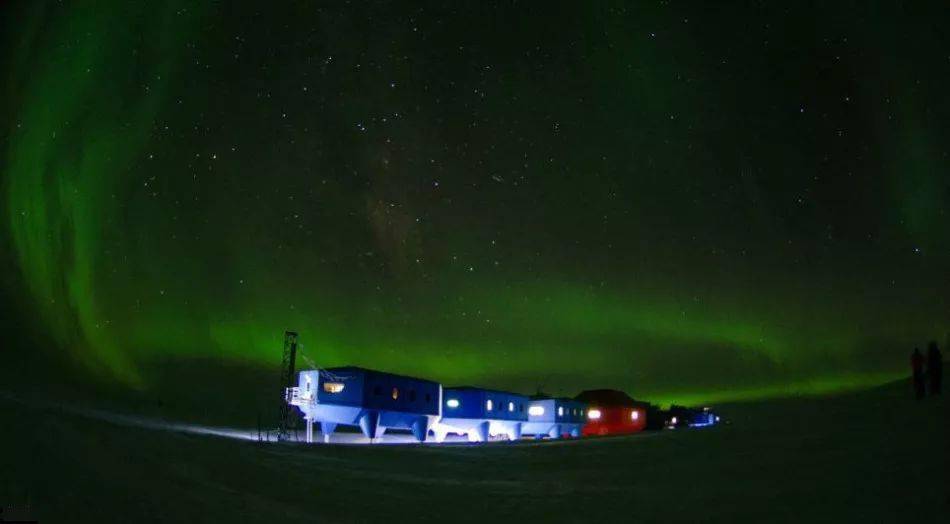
(285, 417)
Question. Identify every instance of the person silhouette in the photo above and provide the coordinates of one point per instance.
(934, 367)
(917, 367)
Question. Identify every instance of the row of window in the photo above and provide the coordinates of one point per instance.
(489, 405)
(533, 410)
(577, 412)
(411, 395)
(539, 410)
(595, 414)
(337, 387)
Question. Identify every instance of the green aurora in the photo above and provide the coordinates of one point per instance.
(559, 210)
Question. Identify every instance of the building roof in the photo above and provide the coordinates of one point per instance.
(340, 369)
(607, 397)
(474, 388)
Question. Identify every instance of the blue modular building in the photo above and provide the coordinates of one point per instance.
(554, 417)
(372, 400)
(681, 416)
(481, 413)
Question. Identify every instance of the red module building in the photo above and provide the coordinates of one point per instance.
(612, 412)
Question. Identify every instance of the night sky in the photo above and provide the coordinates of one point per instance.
(684, 200)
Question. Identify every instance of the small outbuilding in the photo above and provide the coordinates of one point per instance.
(372, 400)
(481, 413)
(682, 416)
(612, 412)
(554, 417)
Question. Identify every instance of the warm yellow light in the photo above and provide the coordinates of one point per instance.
(332, 387)
(593, 414)
(634, 415)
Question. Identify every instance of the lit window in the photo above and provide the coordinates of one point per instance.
(593, 414)
(511, 406)
(452, 403)
(488, 404)
(673, 421)
(634, 415)
(395, 393)
(331, 387)
(560, 411)
(536, 411)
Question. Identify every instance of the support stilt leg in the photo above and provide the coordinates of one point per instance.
(482, 431)
(327, 428)
(369, 424)
(420, 429)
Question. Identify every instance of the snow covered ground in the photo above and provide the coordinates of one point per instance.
(875, 456)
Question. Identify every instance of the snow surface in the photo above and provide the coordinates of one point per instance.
(875, 456)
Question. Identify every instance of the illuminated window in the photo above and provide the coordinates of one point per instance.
(673, 421)
(488, 404)
(593, 414)
(560, 411)
(331, 387)
(536, 411)
(511, 406)
(395, 393)
(452, 403)
(634, 415)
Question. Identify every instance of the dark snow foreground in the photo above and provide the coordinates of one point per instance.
(875, 456)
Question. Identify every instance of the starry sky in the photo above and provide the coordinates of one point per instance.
(689, 201)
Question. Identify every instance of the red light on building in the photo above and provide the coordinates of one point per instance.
(612, 412)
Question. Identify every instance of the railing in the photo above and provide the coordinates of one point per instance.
(299, 398)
